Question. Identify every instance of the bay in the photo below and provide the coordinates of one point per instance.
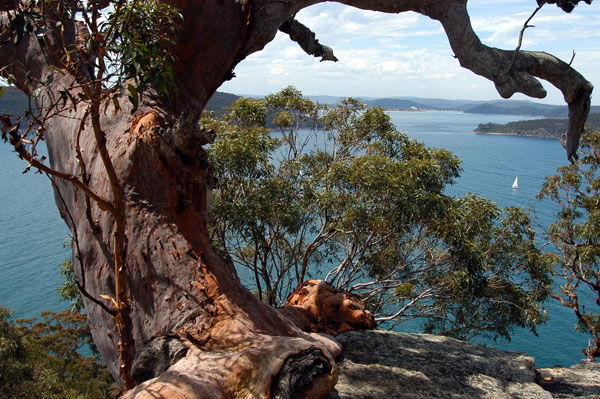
(32, 232)
(490, 165)
(32, 235)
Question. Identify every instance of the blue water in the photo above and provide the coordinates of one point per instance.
(31, 239)
(32, 232)
(490, 165)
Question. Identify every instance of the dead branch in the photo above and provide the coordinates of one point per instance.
(525, 26)
(307, 40)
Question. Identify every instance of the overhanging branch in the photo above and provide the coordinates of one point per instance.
(495, 64)
(307, 40)
(511, 71)
(522, 77)
(565, 5)
(525, 26)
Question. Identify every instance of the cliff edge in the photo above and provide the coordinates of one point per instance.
(384, 364)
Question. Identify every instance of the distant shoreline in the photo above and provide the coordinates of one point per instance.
(409, 110)
(424, 110)
(515, 134)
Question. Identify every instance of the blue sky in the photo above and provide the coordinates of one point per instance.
(387, 55)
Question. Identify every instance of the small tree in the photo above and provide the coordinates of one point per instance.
(340, 194)
(43, 359)
(575, 236)
(40, 359)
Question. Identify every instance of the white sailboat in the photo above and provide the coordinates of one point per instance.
(516, 183)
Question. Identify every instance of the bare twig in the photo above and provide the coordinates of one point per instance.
(525, 26)
(17, 142)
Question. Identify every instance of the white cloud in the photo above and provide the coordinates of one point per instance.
(550, 27)
(384, 55)
(336, 25)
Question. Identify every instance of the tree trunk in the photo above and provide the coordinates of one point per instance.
(178, 287)
(155, 292)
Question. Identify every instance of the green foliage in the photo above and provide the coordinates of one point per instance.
(340, 193)
(493, 271)
(248, 113)
(39, 359)
(576, 238)
(69, 291)
(13, 369)
(141, 48)
(126, 47)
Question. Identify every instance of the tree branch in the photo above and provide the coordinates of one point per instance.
(489, 62)
(565, 5)
(17, 142)
(525, 26)
(307, 40)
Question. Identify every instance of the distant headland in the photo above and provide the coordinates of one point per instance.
(495, 107)
(552, 126)
(540, 128)
(14, 101)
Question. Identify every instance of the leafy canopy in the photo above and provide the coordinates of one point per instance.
(575, 236)
(125, 47)
(40, 359)
(43, 358)
(338, 193)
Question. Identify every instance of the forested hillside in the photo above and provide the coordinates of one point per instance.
(543, 128)
(495, 107)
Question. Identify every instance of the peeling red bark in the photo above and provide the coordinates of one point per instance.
(322, 309)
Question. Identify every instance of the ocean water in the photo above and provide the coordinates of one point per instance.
(31, 239)
(490, 165)
(32, 232)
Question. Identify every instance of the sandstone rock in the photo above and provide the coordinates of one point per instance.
(578, 381)
(382, 364)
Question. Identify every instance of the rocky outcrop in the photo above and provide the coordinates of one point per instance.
(382, 364)
(579, 381)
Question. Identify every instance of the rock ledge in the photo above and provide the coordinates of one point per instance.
(383, 364)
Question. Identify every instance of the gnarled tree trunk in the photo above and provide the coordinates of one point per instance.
(185, 317)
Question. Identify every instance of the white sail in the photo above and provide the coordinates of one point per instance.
(516, 182)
